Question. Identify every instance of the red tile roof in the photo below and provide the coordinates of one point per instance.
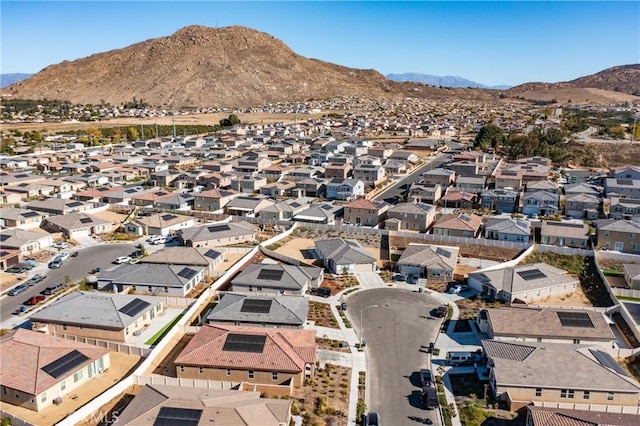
(284, 350)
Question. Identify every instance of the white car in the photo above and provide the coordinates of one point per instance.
(122, 259)
(60, 245)
(63, 256)
(456, 289)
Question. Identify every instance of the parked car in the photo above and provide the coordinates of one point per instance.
(55, 263)
(426, 379)
(137, 254)
(413, 279)
(440, 312)
(35, 279)
(456, 289)
(18, 289)
(64, 255)
(372, 419)
(53, 288)
(30, 262)
(152, 239)
(399, 277)
(34, 300)
(122, 259)
(60, 245)
(16, 269)
(323, 291)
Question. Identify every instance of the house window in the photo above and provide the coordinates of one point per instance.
(576, 341)
(200, 370)
(606, 233)
(44, 397)
(259, 288)
(586, 395)
(610, 396)
(274, 375)
(77, 376)
(539, 339)
(63, 385)
(250, 288)
(64, 326)
(538, 391)
(166, 289)
(632, 236)
(250, 374)
(182, 368)
(567, 393)
(228, 371)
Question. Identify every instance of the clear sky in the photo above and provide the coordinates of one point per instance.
(504, 42)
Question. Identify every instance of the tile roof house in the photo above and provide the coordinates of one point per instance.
(458, 225)
(458, 199)
(277, 278)
(368, 173)
(159, 404)
(507, 229)
(159, 224)
(619, 235)
(37, 368)
(59, 206)
(565, 234)
(424, 192)
(542, 185)
(524, 373)
(580, 188)
(365, 212)
(345, 256)
(546, 325)
(285, 209)
(229, 353)
(149, 278)
(632, 275)
(344, 189)
(410, 217)
(442, 177)
(97, 315)
(527, 283)
(260, 311)
(217, 234)
(75, 225)
(429, 261)
(547, 416)
(623, 188)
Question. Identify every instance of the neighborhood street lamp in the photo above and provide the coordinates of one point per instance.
(361, 324)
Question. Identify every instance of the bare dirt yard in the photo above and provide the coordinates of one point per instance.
(121, 365)
(9, 280)
(321, 315)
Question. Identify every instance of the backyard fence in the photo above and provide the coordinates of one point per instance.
(122, 348)
(15, 420)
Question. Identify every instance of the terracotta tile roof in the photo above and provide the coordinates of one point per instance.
(461, 222)
(25, 352)
(364, 203)
(284, 350)
(544, 416)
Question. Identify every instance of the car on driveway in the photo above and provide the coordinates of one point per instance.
(456, 289)
(60, 245)
(413, 279)
(30, 262)
(440, 312)
(399, 277)
(122, 259)
(16, 269)
(18, 289)
(35, 279)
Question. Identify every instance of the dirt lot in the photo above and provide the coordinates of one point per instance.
(321, 315)
(113, 217)
(332, 345)
(466, 250)
(324, 399)
(121, 364)
(165, 367)
(9, 280)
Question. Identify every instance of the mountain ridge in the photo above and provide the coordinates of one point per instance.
(445, 81)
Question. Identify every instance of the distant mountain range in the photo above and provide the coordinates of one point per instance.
(9, 79)
(446, 81)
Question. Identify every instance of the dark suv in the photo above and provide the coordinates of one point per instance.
(440, 312)
(426, 379)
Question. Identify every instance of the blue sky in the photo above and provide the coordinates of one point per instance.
(487, 42)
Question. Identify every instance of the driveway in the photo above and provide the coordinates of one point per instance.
(397, 329)
(370, 280)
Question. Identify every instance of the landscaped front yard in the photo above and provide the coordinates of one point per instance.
(321, 315)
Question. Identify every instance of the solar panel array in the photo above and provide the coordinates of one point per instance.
(64, 364)
(218, 228)
(86, 220)
(134, 307)
(212, 254)
(187, 273)
(531, 274)
(295, 205)
(168, 217)
(465, 218)
(522, 223)
(442, 252)
(326, 207)
(575, 319)
(171, 416)
(74, 204)
(30, 214)
(250, 343)
(130, 191)
(607, 360)
(103, 189)
(270, 274)
(256, 306)
(628, 182)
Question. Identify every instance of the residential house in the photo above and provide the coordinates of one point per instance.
(580, 188)
(344, 189)
(274, 356)
(502, 200)
(217, 234)
(458, 225)
(527, 283)
(410, 217)
(216, 180)
(565, 234)
(252, 163)
(369, 173)
(98, 315)
(282, 188)
(247, 206)
(76, 225)
(176, 201)
(423, 192)
(546, 325)
(365, 212)
(285, 209)
(213, 199)
(542, 185)
(248, 184)
(521, 374)
(260, 311)
(37, 369)
(625, 172)
(582, 206)
(319, 213)
(541, 203)
(150, 198)
(277, 279)
(472, 184)
(464, 168)
(442, 177)
(28, 242)
(59, 206)
(619, 235)
(623, 188)
(341, 256)
(8, 197)
(435, 263)
(406, 156)
(207, 258)
(458, 199)
(632, 275)
(150, 278)
(508, 179)
(159, 224)
(159, 404)
(507, 229)
(337, 170)
(13, 217)
(545, 416)
(30, 190)
(9, 257)
(313, 187)
(623, 208)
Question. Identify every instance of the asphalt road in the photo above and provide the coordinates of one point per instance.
(397, 332)
(75, 267)
(394, 192)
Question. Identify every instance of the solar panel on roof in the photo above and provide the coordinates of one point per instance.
(212, 254)
(187, 273)
(130, 191)
(607, 360)
(171, 416)
(522, 223)
(442, 252)
(74, 204)
(103, 189)
(575, 319)
(3, 253)
(30, 214)
(134, 307)
(256, 306)
(85, 220)
(624, 182)
(218, 228)
(168, 217)
(244, 343)
(326, 207)
(270, 274)
(531, 274)
(295, 204)
(65, 364)
(465, 218)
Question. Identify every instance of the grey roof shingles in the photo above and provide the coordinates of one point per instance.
(344, 251)
(290, 310)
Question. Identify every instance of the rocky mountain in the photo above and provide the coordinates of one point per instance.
(9, 79)
(446, 81)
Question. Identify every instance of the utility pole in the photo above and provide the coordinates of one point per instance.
(633, 129)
